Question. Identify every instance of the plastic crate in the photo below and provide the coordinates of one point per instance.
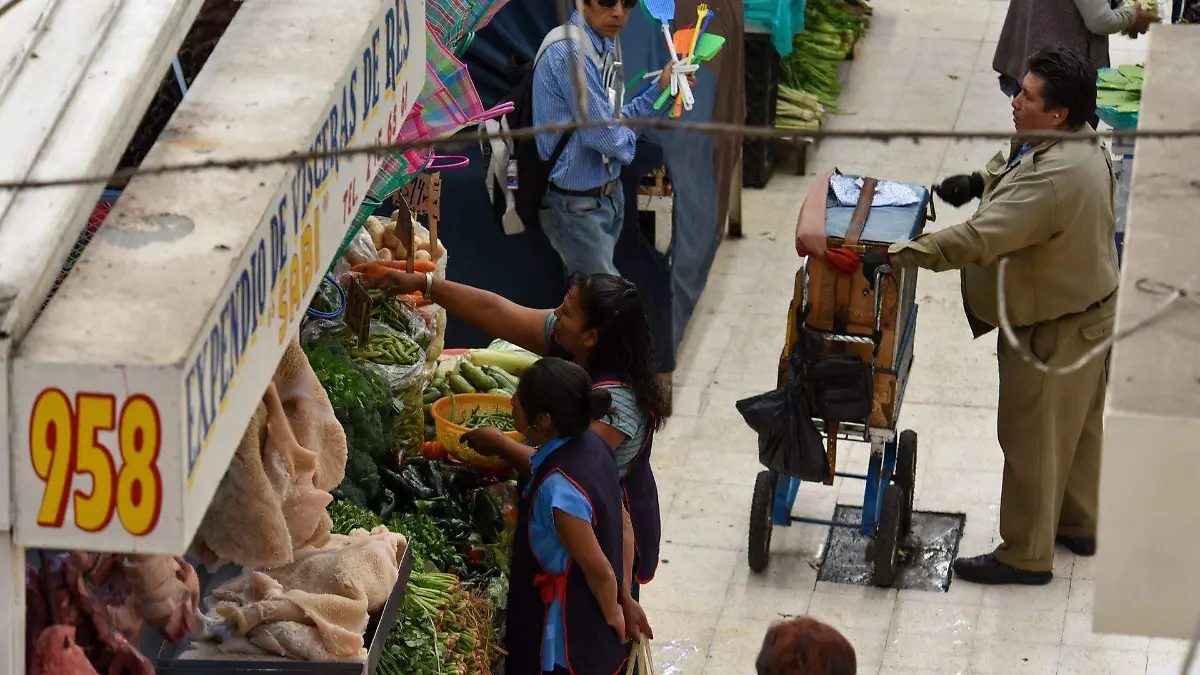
(1116, 120)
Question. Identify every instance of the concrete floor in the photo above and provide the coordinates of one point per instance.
(923, 65)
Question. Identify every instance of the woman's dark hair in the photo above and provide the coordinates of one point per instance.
(805, 646)
(613, 308)
(1070, 82)
(562, 390)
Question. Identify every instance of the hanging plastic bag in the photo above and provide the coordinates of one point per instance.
(401, 361)
(788, 441)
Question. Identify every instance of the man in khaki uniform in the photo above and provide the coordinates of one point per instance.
(1049, 209)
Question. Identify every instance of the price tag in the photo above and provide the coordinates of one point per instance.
(114, 445)
(358, 311)
(415, 195)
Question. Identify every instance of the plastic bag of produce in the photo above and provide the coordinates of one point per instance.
(360, 250)
(788, 441)
(403, 317)
(406, 377)
(325, 313)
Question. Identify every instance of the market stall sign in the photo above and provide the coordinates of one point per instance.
(122, 457)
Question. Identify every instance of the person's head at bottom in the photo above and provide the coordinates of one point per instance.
(602, 324)
(1057, 93)
(805, 646)
(556, 400)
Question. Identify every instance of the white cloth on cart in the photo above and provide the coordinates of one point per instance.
(846, 190)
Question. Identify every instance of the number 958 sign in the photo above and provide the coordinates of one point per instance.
(92, 464)
(65, 444)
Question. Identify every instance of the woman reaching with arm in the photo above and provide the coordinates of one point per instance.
(600, 325)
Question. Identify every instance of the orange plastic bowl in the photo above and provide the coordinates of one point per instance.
(448, 414)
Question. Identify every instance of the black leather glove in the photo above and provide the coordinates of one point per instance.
(871, 262)
(960, 189)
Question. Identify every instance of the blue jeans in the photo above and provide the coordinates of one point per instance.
(584, 230)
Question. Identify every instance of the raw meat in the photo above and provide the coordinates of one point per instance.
(55, 653)
(115, 653)
(315, 608)
(83, 610)
(292, 468)
(271, 501)
(311, 416)
(166, 591)
(244, 522)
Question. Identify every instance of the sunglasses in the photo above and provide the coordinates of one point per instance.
(609, 4)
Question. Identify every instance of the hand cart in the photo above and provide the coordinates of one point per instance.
(888, 337)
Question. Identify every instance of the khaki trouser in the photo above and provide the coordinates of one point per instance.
(1051, 431)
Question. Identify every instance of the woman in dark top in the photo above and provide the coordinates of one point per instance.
(600, 325)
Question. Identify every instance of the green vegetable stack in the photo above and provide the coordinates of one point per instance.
(808, 79)
(446, 624)
(445, 629)
(362, 403)
(1119, 92)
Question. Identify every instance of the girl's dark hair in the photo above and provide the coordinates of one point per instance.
(562, 390)
(805, 646)
(1070, 82)
(613, 308)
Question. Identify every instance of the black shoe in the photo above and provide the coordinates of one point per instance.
(1082, 546)
(985, 569)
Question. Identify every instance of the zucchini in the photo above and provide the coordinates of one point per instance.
(431, 396)
(477, 378)
(459, 385)
(503, 377)
(500, 392)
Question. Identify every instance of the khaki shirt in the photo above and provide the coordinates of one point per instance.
(1052, 216)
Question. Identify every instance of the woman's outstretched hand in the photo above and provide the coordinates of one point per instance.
(390, 275)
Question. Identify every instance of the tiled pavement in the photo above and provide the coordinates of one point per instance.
(923, 65)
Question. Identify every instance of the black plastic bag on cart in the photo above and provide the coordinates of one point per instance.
(788, 440)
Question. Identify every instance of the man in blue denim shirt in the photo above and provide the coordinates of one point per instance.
(583, 209)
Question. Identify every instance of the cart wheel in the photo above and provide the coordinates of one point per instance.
(887, 536)
(906, 477)
(758, 553)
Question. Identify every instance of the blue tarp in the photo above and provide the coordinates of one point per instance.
(523, 267)
(783, 18)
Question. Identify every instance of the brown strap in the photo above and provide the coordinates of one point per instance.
(858, 222)
(862, 211)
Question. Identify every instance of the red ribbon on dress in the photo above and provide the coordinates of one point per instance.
(551, 586)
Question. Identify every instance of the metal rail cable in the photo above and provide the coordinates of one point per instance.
(461, 139)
